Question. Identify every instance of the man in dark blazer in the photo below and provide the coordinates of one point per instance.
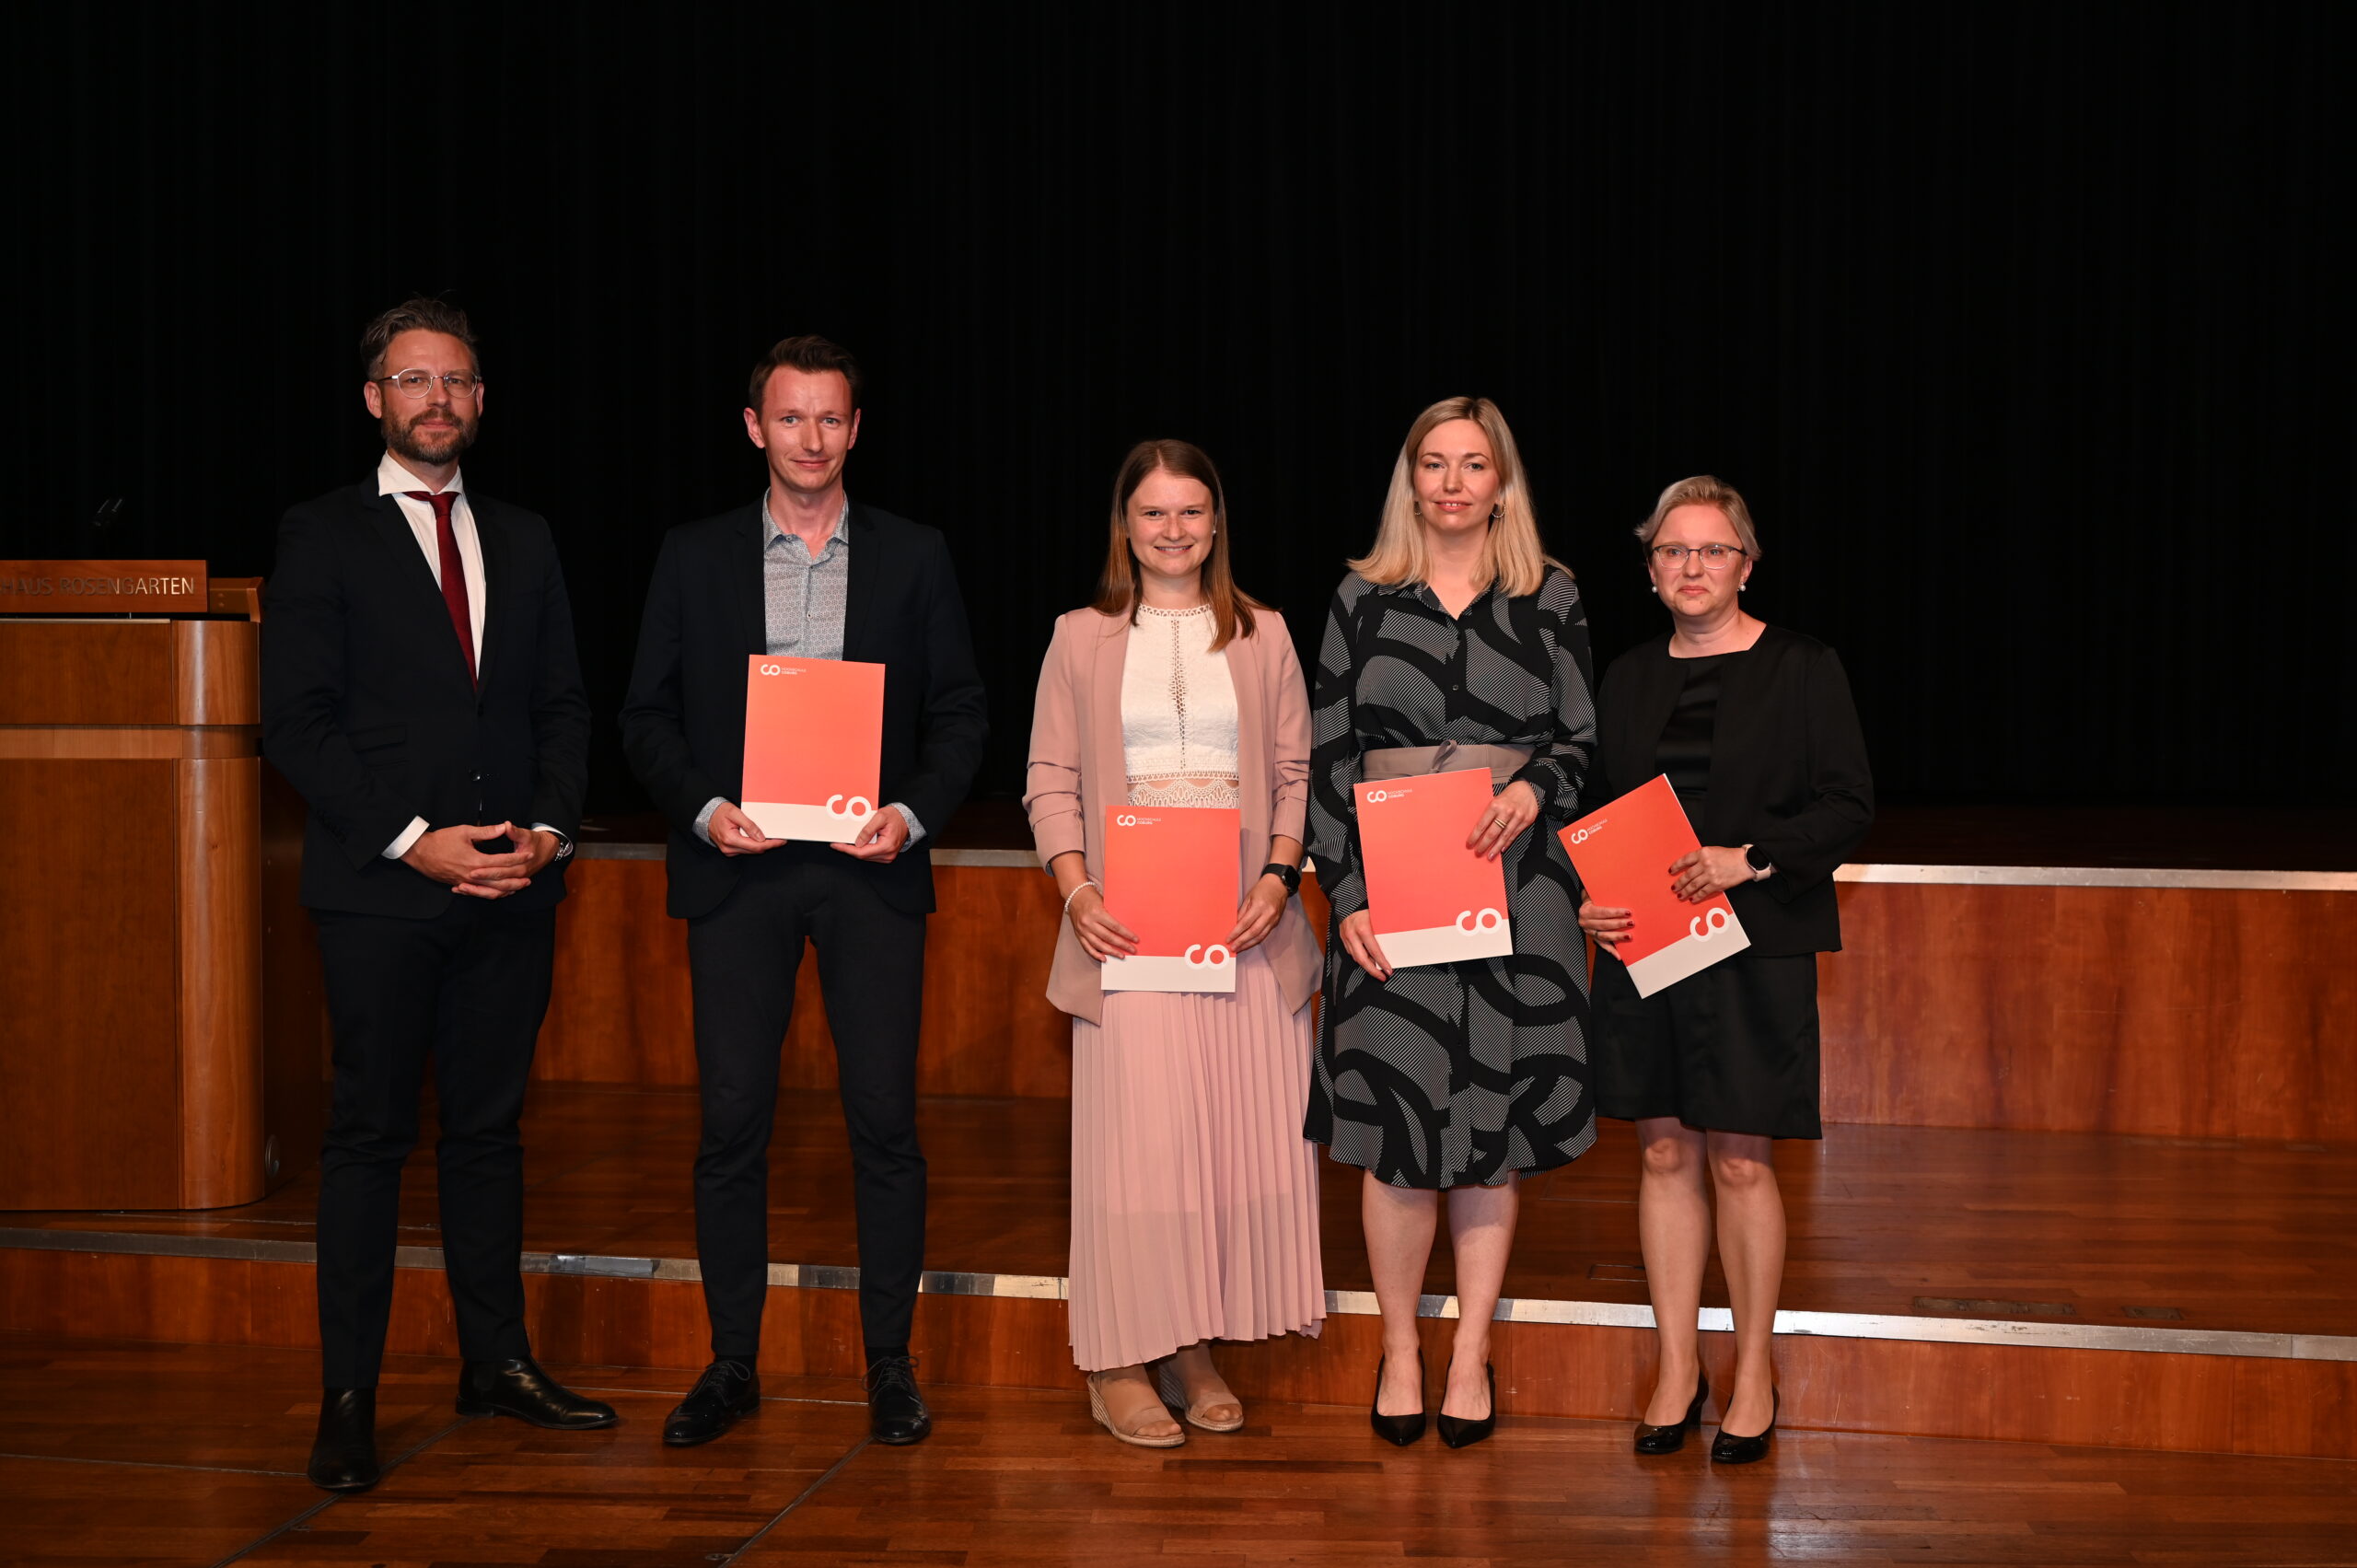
(420, 690)
(803, 570)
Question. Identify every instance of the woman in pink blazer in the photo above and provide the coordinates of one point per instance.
(1195, 1195)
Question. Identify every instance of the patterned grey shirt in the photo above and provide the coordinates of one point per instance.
(803, 595)
(803, 599)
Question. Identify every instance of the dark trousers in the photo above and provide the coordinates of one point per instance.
(871, 971)
(469, 987)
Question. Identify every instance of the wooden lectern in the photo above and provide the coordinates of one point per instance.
(162, 1022)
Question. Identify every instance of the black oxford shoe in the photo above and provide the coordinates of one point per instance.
(520, 1388)
(343, 1456)
(896, 1413)
(726, 1393)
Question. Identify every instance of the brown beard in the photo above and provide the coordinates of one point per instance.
(407, 441)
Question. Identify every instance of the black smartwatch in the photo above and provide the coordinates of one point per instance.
(1289, 875)
(1756, 857)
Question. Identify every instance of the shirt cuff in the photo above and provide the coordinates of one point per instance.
(407, 840)
(563, 841)
(916, 828)
(703, 818)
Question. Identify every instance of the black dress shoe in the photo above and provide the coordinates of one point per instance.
(1671, 1438)
(343, 1456)
(1400, 1430)
(520, 1388)
(726, 1394)
(896, 1413)
(1731, 1450)
(1465, 1433)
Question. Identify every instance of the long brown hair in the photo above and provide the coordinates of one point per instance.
(1117, 590)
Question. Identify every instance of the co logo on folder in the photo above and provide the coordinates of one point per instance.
(1487, 919)
(1377, 797)
(1213, 955)
(857, 806)
(1717, 921)
(773, 669)
(1125, 821)
(1584, 834)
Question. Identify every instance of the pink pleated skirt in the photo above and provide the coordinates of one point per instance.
(1195, 1195)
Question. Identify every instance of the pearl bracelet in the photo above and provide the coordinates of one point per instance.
(1075, 893)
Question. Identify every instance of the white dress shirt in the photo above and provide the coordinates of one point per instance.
(397, 482)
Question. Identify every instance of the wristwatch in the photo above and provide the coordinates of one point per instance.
(1289, 875)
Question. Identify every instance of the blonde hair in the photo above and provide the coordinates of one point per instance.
(1512, 557)
(1703, 490)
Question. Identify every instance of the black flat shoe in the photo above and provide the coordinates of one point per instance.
(520, 1388)
(1398, 1430)
(896, 1411)
(343, 1456)
(1729, 1450)
(1465, 1433)
(726, 1393)
(1670, 1439)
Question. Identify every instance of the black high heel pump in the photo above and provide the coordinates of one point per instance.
(1727, 1450)
(1400, 1430)
(1465, 1433)
(1671, 1438)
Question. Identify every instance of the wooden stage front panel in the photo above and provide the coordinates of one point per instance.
(2194, 1251)
(2178, 1012)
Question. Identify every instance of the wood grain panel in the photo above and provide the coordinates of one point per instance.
(220, 982)
(2107, 1399)
(2172, 1012)
(216, 672)
(623, 1008)
(86, 672)
(89, 1082)
(296, 1042)
(127, 742)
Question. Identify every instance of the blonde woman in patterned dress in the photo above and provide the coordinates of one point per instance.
(1195, 1195)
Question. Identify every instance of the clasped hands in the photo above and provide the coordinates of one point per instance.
(450, 856)
(1695, 876)
(1102, 936)
(881, 839)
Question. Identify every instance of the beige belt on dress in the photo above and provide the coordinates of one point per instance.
(1406, 761)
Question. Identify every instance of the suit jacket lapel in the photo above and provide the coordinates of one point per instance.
(861, 594)
(1656, 700)
(491, 538)
(746, 575)
(410, 566)
(1105, 663)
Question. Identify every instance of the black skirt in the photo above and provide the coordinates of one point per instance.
(1730, 1049)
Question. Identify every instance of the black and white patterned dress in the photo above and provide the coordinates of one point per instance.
(1454, 1075)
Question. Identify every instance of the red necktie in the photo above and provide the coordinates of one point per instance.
(453, 571)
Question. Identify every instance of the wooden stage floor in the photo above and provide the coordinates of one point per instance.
(160, 1455)
(2051, 1229)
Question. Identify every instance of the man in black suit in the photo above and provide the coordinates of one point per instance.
(803, 570)
(420, 690)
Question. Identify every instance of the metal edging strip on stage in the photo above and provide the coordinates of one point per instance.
(2039, 1334)
(1925, 876)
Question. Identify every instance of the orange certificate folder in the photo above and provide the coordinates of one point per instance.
(1623, 853)
(814, 738)
(1432, 900)
(1170, 877)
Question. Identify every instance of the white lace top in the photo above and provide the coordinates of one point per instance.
(1177, 711)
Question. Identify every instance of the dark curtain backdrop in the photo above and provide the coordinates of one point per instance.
(2026, 332)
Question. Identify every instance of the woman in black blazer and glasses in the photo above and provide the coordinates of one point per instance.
(1756, 729)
